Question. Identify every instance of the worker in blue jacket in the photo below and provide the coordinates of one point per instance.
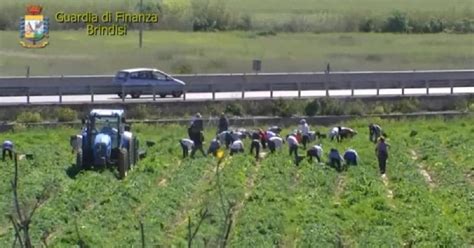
(351, 157)
(7, 148)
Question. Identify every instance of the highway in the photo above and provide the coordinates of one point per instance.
(100, 88)
(81, 99)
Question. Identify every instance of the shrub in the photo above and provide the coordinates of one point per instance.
(66, 114)
(378, 110)
(471, 107)
(182, 67)
(434, 26)
(244, 22)
(312, 108)
(397, 23)
(28, 117)
(406, 106)
(233, 109)
(210, 16)
(140, 111)
(367, 25)
(330, 106)
(355, 108)
(282, 108)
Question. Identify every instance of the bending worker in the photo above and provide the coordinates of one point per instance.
(315, 151)
(7, 147)
(375, 131)
(335, 159)
(351, 157)
(274, 143)
(186, 145)
(236, 147)
(214, 147)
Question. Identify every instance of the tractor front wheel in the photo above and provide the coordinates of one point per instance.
(123, 163)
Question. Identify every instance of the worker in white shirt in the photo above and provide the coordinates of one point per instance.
(315, 151)
(274, 143)
(304, 129)
(292, 144)
(236, 147)
(186, 145)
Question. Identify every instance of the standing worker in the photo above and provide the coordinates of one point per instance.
(381, 151)
(198, 139)
(375, 131)
(304, 129)
(351, 156)
(255, 145)
(7, 147)
(197, 123)
(223, 123)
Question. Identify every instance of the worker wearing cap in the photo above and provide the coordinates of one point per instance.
(274, 143)
(197, 123)
(351, 156)
(315, 151)
(7, 147)
(304, 129)
(236, 147)
(214, 146)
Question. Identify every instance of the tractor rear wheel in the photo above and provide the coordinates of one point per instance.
(79, 160)
(123, 163)
(162, 95)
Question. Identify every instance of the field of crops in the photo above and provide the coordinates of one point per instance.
(426, 201)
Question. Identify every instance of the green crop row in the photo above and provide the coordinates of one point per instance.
(273, 202)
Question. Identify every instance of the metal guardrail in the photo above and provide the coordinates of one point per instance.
(241, 82)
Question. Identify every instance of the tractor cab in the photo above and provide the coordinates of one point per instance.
(103, 123)
(106, 141)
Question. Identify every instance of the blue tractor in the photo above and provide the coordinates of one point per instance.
(106, 140)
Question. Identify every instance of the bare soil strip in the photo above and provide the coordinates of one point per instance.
(341, 184)
(422, 171)
(385, 182)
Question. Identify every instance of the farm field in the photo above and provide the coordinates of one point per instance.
(75, 53)
(426, 200)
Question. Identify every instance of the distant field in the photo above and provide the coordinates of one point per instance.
(321, 15)
(426, 200)
(73, 52)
